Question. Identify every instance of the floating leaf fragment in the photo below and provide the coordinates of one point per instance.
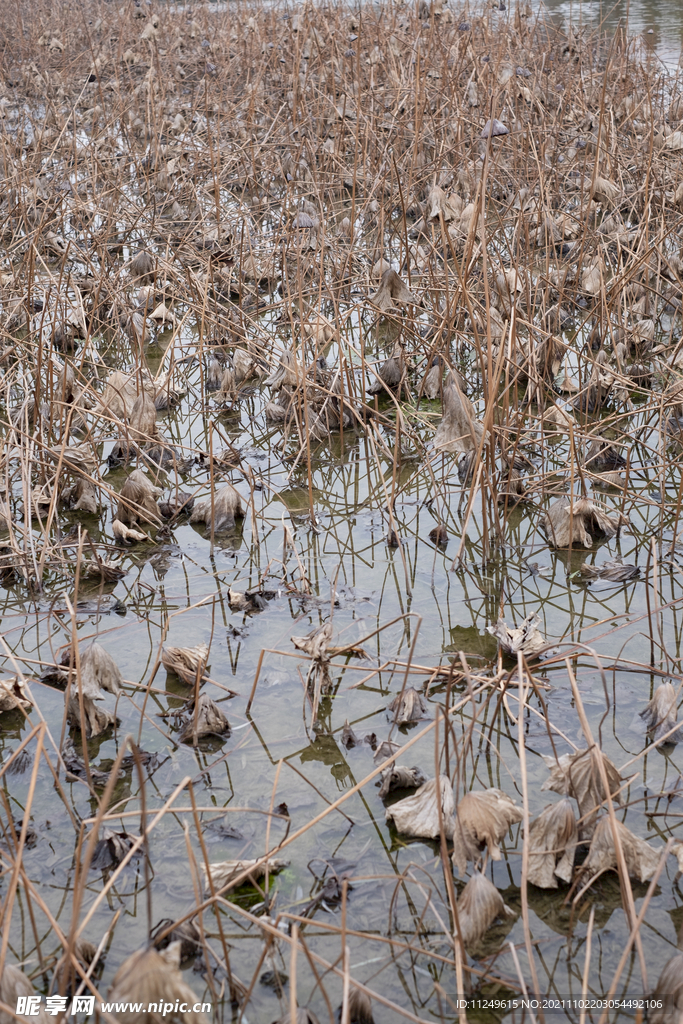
(223, 872)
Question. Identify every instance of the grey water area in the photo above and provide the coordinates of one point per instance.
(177, 592)
(658, 22)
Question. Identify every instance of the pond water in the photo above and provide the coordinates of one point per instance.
(658, 22)
(314, 544)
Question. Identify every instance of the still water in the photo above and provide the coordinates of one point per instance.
(659, 22)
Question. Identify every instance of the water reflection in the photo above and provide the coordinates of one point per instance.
(658, 22)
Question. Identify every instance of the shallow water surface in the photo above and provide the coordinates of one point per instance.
(658, 22)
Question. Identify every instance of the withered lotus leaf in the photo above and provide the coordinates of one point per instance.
(206, 719)
(96, 719)
(526, 639)
(478, 906)
(459, 430)
(223, 510)
(661, 714)
(670, 991)
(392, 291)
(151, 977)
(186, 662)
(400, 777)
(552, 840)
(578, 775)
(12, 695)
(576, 522)
(13, 985)
(223, 872)
(409, 706)
(641, 858)
(418, 815)
(316, 642)
(482, 819)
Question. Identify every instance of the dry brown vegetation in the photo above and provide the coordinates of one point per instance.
(453, 233)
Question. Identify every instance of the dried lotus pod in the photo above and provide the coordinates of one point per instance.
(551, 842)
(482, 819)
(418, 815)
(188, 663)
